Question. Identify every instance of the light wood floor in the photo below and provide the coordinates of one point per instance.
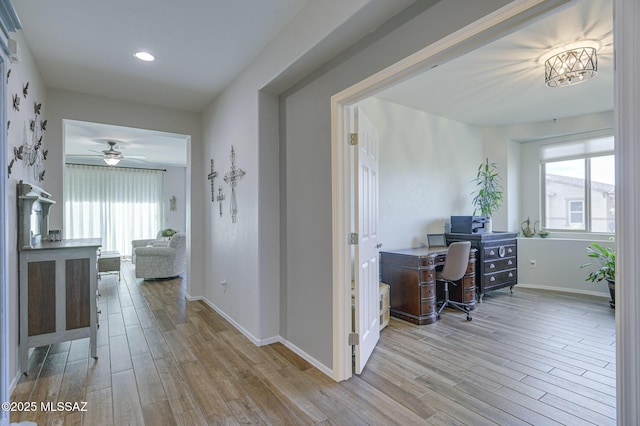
(531, 357)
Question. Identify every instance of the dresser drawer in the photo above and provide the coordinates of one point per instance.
(496, 265)
(499, 252)
(500, 277)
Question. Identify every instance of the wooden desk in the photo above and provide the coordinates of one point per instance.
(411, 275)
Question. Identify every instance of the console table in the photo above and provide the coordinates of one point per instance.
(57, 294)
(497, 265)
(411, 275)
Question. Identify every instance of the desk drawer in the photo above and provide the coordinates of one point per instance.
(496, 265)
(427, 276)
(427, 291)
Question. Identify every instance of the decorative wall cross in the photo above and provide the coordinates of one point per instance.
(220, 198)
(211, 176)
(231, 177)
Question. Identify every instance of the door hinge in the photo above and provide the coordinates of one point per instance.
(354, 339)
(353, 238)
(353, 139)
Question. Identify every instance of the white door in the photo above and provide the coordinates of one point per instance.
(366, 283)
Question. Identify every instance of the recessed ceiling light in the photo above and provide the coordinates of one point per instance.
(145, 56)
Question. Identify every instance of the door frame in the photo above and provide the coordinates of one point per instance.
(487, 29)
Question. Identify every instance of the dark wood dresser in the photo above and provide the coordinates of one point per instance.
(411, 275)
(497, 264)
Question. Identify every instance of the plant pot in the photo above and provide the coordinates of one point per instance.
(612, 292)
(488, 226)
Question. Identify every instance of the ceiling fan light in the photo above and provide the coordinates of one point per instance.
(571, 67)
(111, 161)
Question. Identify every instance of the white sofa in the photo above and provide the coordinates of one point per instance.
(156, 242)
(161, 262)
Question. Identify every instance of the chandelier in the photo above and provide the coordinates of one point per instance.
(571, 67)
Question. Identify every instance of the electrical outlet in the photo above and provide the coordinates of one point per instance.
(532, 263)
(223, 283)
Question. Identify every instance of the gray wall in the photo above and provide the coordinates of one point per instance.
(307, 309)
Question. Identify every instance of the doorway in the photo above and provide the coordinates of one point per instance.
(503, 22)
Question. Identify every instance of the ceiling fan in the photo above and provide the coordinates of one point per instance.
(111, 156)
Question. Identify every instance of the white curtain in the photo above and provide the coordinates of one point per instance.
(115, 204)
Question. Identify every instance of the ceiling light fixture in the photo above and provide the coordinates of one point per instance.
(145, 56)
(111, 156)
(571, 67)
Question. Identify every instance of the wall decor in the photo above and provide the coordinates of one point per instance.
(232, 177)
(219, 199)
(211, 176)
(8, 74)
(25, 90)
(172, 203)
(16, 102)
(32, 152)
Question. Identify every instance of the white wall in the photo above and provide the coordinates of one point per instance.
(558, 264)
(21, 74)
(246, 254)
(427, 164)
(175, 184)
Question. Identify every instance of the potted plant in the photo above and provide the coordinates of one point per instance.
(488, 195)
(168, 233)
(606, 258)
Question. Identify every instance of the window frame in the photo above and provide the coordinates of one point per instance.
(587, 199)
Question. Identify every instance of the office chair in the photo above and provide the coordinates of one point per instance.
(455, 266)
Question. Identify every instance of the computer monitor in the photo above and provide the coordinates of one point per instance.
(436, 240)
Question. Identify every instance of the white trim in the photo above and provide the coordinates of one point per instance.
(563, 290)
(627, 146)
(263, 342)
(478, 33)
(302, 354)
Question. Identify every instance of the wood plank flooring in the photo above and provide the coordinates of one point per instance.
(531, 357)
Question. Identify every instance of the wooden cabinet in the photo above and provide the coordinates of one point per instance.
(411, 275)
(497, 265)
(57, 294)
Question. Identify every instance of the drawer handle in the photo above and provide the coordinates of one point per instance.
(492, 279)
(510, 274)
(492, 266)
(510, 250)
(492, 252)
(510, 262)
(501, 252)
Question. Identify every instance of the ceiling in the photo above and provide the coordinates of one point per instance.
(200, 45)
(502, 83)
(88, 47)
(498, 84)
(85, 142)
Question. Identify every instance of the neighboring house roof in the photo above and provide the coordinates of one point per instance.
(567, 180)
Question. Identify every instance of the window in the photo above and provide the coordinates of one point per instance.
(578, 181)
(116, 204)
(576, 214)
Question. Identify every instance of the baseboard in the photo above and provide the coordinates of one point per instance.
(263, 342)
(564, 290)
(311, 360)
(14, 383)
